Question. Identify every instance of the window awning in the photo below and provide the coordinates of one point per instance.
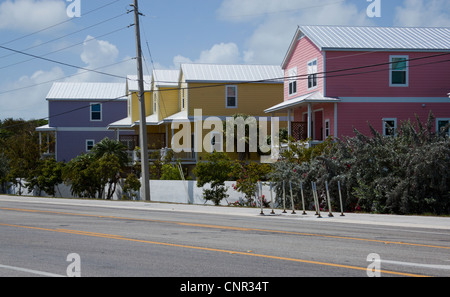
(315, 97)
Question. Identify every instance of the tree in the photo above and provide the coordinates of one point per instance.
(46, 177)
(215, 170)
(89, 174)
(131, 186)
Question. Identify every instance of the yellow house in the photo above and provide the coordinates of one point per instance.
(211, 91)
(181, 103)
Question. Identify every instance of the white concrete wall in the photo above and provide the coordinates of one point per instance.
(172, 191)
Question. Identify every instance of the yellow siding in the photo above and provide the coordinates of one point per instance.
(168, 99)
(135, 115)
(252, 99)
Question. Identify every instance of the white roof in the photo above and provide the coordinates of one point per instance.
(132, 81)
(315, 97)
(374, 38)
(166, 78)
(232, 73)
(87, 91)
(399, 38)
(181, 116)
(123, 123)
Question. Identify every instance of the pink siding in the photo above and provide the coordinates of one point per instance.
(304, 52)
(358, 115)
(429, 80)
(321, 113)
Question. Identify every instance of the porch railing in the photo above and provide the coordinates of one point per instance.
(160, 154)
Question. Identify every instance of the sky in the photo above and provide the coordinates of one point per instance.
(100, 38)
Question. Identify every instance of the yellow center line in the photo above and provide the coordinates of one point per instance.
(233, 228)
(118, 237)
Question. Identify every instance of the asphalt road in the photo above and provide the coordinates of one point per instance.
(41, 238)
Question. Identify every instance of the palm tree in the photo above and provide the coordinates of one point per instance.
(111, 147)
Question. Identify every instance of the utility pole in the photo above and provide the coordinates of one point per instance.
(145, 190)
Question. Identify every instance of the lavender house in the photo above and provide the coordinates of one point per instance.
(79, 114)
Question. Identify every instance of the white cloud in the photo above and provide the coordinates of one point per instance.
(222, 53)
(276, 21)
(96, 55)
(28, 103)
(31, 15)
(420, 13)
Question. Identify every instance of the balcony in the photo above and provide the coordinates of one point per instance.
(161, 154)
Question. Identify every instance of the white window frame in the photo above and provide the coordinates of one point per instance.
(391, 70)
(312, 70)
(292, 81)
(441, 120)
(88, 145)
(327, 128)
(236, 96)
(384, 126)
(92, 112)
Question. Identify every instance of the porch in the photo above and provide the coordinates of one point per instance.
(311, 117)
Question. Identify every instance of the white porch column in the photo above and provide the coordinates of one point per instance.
(289, 123)
(335, 120)
(309, 121)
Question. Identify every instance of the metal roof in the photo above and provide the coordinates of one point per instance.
(315, 97)
(232, 73)
(87, 91)
(395, 38)
(166, 78)
(132, 81)
(373, 38)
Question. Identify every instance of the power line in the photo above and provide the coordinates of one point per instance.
(60, 63)
(58, 24)
(67, 47)
(58, 79)
(72, 33)
(303, 77)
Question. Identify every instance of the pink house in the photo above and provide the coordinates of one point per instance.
(341, 78)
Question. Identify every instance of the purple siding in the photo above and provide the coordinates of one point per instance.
(78, 113)
(72, 144)
(75, 116)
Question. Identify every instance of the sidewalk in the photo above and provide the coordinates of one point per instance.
(430, 222)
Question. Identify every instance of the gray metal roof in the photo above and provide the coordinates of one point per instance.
(232, 73)
(87, 91)
(395, 38)
(166, 78)
(132, 81)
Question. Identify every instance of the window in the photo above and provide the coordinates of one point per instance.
(389, 127)
(312, 74)
(154, 103)
(399, 71)
(442, 125)
(96, 112)
(292, 81)
(327, 128)
(231, 96)
(89, 145)
(216, 142)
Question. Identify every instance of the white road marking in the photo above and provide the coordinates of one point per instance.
(445, 267)
(31, 271)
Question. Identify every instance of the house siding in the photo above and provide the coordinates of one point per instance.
(305, 51)
(360, 115)
(427, 77)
